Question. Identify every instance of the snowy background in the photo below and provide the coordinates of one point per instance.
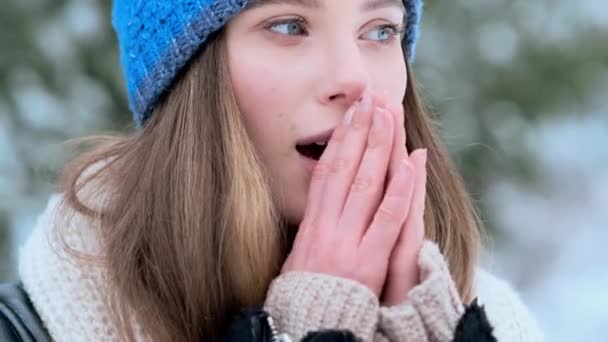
(521, 88)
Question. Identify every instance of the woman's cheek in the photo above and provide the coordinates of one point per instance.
(397, 74)
(261, 89)
(388, 74)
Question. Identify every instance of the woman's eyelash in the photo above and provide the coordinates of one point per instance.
(297, 26)
(289, 24)
(397, 29)
(389, 32)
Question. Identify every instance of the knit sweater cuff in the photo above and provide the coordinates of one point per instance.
(433, 307)
(301, 302)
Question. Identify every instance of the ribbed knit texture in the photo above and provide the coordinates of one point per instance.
(157, 38)
(430, 313)
(433, 307)
(301, 302)
(70, 296)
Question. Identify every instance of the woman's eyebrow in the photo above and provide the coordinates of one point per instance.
(315, 4)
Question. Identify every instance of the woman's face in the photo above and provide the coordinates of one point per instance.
(297, 66)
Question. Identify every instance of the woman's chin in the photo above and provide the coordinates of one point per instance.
(294, 218)
(293, 208)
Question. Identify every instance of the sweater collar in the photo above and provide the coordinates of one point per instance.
(70, 294)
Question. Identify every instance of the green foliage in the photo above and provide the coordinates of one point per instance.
(494, 69)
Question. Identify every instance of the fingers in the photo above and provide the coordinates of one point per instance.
(343, 166)
(391, 214)
(413, 232)
(403, 268)
(321, 170)
(341, 159)
(368, 186)
(399, 149)
(311, 221)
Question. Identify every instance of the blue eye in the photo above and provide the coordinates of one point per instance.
(290, 27)
(384, 33)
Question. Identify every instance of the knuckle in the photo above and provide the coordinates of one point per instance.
(358, 122)
(374, 141)
(387, 214)
(361, 120)
(339, 165)
(338, 135)
(320, 171)
(362, 184)
(377, 139)
(393, 199)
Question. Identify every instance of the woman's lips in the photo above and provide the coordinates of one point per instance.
(311, 148)
(321, 137)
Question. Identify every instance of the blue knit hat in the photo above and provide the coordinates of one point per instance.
(157, 38)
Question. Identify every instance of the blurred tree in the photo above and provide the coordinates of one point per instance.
(59, 79)
(493, 69)
(6, 269)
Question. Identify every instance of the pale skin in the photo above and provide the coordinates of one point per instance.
(300, 67)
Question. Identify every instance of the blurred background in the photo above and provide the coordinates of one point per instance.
(521, 88)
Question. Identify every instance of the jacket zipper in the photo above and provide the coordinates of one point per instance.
(276, 337)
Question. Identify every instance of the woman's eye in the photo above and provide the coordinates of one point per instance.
(384, 33)
(293, 27)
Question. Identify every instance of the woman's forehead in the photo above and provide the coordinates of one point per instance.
(366, 5)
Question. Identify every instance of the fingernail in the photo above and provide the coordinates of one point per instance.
(366, 102)
(404, 166)
(348, 117)
(378, 123)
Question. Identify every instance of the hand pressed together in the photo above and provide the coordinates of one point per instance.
(364, 215)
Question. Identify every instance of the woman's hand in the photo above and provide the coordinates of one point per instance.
(403, 267)
(352, 222)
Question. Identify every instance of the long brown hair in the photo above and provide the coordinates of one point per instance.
(190, 231)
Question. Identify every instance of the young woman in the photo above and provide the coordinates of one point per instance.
(284, 168)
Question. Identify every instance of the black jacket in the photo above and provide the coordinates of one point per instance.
(18, 318)
(19, 322)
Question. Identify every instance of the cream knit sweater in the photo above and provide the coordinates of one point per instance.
(70, 296)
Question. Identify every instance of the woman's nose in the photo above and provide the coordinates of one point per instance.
(345, 77)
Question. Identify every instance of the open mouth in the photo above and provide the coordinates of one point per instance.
(313, 151)
(312, 147)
